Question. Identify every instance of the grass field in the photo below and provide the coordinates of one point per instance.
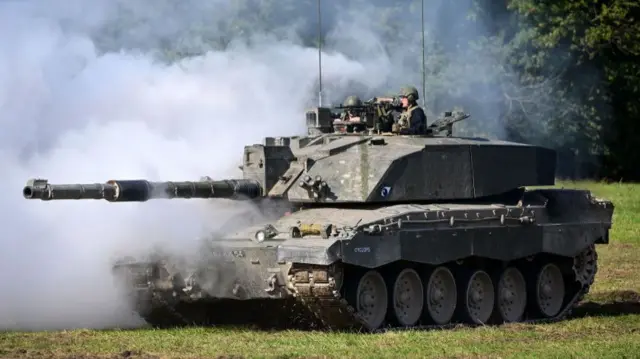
(607, 325)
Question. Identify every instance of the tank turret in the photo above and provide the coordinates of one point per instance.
(375, 167)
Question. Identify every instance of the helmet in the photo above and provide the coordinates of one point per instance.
(410, 92)
(352, 101)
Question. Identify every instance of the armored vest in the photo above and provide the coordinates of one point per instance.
(403, 120)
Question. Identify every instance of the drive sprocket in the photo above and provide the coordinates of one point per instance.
(585, 266)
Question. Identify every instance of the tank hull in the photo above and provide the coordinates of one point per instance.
(404, 265)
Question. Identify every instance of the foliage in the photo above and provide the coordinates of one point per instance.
(594, 47)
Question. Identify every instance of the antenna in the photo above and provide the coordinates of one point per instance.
(424, 76)
(320, 55)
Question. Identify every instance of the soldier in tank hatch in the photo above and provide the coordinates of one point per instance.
(412, 120)
(352, 116)
(351, 103)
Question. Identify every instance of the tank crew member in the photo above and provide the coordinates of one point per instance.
(352, 102)
(351, 118)
(412, 120)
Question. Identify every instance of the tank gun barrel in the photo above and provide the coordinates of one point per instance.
(142, 190)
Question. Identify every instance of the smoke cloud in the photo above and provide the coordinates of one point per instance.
(92, 93)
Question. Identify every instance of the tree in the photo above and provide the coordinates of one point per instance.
(594, 48)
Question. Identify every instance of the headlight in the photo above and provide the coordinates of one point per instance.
(260, 236)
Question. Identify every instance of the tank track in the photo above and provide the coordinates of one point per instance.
(166, 313)
(318, 299)
(252, 313)
(316, 287)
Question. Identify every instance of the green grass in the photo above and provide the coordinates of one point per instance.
(604, 328)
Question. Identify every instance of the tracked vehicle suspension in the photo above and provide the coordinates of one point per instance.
(319, 288)
(326, 297)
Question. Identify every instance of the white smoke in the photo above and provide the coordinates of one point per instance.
(85, 97)
(72, 114)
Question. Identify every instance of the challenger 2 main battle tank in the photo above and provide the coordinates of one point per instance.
(379, 230)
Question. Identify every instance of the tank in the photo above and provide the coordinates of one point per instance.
(374, 230)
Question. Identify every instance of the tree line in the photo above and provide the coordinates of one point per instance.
(591, 50)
